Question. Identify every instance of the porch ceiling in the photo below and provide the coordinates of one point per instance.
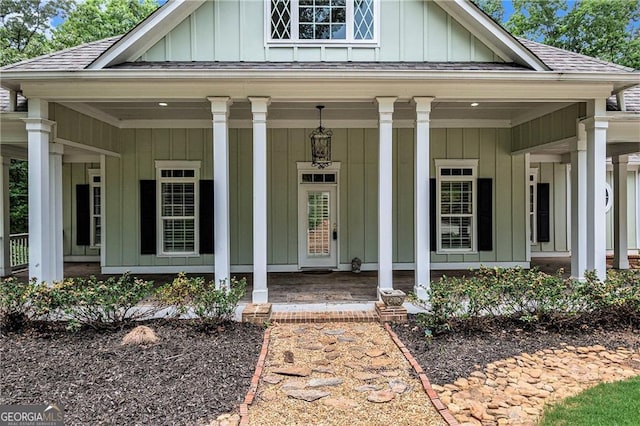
(292, 110)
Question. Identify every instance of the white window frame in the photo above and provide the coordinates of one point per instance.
(295, 29)
(608, 197)
(533, 215)
(95, 173)
(457, 164)
(178, 165)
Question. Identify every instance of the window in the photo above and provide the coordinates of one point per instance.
(533, 206)
(456, 205)
(95, 207)
(177, 206)
(346, 21)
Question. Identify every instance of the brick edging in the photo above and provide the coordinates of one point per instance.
(251, 393)
(433, 396)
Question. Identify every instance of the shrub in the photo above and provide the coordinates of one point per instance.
(16, 309)
(97, 304)
(211, 305)
(527, 296)
(617, 298)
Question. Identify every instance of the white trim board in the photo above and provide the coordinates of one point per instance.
(543, 254)
(208, 269)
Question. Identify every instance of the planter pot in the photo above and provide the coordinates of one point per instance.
(392, 297)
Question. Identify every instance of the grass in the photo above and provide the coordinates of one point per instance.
(610, 404)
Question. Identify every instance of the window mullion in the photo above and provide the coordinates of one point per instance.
(295, 20)
(350, 21)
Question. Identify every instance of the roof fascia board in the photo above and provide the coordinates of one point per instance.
(148, 33)
(492, 34)
(316, 74)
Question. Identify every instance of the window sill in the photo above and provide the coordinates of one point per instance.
(457, 252)
(325, 43)
(190, 254)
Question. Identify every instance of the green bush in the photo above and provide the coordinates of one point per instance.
(16, 309)
(210, 304)
(529, 297)
(96, 304)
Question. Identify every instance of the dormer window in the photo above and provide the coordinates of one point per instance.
(314, 21)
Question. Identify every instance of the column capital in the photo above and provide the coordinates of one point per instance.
(38, 124)
(385, 103)
(423, 103)
(56, 148)
(620, 159)
(220, 104)
(259, 104)
(595, 122)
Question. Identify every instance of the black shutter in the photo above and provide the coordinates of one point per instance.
(83, 215)
(433, 217)
(206, 217)
(543, 213)
(485, 214)
(148, 217)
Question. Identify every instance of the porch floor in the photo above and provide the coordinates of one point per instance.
(313, 287)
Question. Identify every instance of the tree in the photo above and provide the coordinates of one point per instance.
(19, 218)
(493, 8)
(97, 19)
(537, 20)
(24, 25)
(606, 29)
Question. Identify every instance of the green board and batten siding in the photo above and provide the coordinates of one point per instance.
(412, 30)
(355, 149)
(555, 174)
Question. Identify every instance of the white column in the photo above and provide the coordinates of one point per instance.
(259, 109)
(220, 111)
(579, 205)
(40, 243)
(596, 175)
(5, 231)
(620, 244)
(385, 194)
(56, 222)
(421, 196)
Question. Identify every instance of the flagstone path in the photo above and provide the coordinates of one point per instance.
(338, 374)
(514, 391)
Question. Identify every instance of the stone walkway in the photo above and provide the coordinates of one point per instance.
(338, 374)
(513, 391)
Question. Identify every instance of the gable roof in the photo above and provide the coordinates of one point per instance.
(74, 58)
(564, 60)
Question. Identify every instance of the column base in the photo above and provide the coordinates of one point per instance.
(420, 292)
(260, 296)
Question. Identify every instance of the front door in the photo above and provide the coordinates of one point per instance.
(318, 220)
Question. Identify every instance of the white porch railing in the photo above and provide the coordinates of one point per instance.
(19, 251)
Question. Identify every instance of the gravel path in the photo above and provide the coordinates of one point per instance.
(188, 377)
(338, 374)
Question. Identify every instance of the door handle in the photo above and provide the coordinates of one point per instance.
(335, 232)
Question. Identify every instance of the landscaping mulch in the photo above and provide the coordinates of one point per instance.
(448, 357)
(189, 377)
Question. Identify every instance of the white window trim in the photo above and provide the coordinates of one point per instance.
(533, 184)
(177, 165)
(350, 41)
(92, 173)
(467, 164)
(608, 203)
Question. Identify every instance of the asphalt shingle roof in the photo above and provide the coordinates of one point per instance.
(631, 100)
(563, 60)
(4, 102)
(74, 58)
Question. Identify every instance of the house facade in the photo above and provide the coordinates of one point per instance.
(184, 145)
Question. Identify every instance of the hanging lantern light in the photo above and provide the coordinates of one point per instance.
(320, 144)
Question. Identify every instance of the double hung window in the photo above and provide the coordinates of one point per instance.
(456, 205)
(177, 207)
